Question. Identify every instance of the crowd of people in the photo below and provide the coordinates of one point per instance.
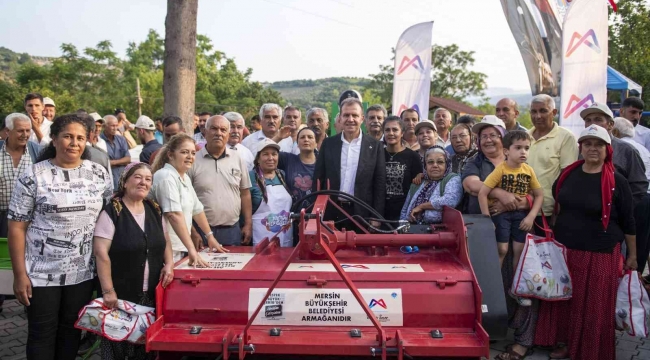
(70, 193)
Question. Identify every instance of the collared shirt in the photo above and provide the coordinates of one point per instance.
(245, 154)
(218, 183)
(350, 152)
(9, 174)
(117, 149)
(440, 142)
(289, 146)
(199, 138)
(518, 127)
(642, 136)
(644, 153)
(414, 147)
(159, 136)
(251, 141)
(45, 131)
(548, 156)
(101, 144)
(175, 194)
(148, 149)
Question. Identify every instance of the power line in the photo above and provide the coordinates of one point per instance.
(315, 14)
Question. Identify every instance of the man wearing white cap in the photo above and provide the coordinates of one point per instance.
(94, 138)
(49, 109)
(145, 129)
(629, 163)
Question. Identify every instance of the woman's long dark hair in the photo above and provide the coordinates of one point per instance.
(57, 126)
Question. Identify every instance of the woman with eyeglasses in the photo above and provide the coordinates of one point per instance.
(440, 187)
(464, 145)
(490, 132)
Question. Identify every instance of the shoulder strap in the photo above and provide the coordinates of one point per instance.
(444, 182)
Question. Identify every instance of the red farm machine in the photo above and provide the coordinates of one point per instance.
(340, 294)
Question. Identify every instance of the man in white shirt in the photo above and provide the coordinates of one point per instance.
(631, 109)
(40, 125)
(49, 111)
(442, 119)
(625, 130)
(270, 116)
(292, 120)
(199, 137)
(99, 127)
(236, 134)
(352, 163)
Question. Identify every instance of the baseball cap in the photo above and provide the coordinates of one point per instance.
(488, 120)
(595, 132)
(349, 94)
(597, 107)
(266, 143)
(425, 123)
(96, 117)
(48, 102)
(144, 122)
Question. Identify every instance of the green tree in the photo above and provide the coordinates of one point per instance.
(629, 47)
(451, 76)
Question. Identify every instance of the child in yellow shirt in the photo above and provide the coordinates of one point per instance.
(514, 176)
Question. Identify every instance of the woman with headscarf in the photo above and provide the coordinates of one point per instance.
(595, 213)
(440, 187)
(270, 196)
(133, 252)
(464, 145)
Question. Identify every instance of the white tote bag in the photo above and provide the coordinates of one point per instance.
(542, 272)
(128, 322)
(632, 305)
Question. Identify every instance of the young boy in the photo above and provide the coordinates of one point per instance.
(514, 176)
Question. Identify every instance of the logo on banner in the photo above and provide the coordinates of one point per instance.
(416, 62)
(575, 103)
(347, 266)
(404, 107)
(275, 222)
(588, 39)
(381, 303)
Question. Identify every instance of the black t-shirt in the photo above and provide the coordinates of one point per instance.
(401, 169)
(579, 226)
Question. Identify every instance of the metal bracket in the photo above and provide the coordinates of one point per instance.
(436, 334)
(275, 332)
(195, 330)
(355, 333)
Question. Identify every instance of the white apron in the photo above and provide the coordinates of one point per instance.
(271, 216)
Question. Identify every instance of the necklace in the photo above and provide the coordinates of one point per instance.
(393, 154)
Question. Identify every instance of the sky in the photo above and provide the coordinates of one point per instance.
(278, 39)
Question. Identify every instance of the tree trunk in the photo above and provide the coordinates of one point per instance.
(179, 82)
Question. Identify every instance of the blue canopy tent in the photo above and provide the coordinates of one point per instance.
(619, 82)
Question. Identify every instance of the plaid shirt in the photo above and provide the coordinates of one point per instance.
(9, 174)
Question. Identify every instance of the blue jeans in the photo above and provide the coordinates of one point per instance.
(227, 235)
(507, 226)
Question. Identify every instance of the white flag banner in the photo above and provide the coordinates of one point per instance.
(584, 60)
(412, 79)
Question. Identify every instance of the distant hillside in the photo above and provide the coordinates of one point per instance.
(316, 93)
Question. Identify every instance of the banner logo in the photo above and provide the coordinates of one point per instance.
(406, 62)
(577, 40)
(575, 103)
(380, 303)
(404, 107)
(347, 266)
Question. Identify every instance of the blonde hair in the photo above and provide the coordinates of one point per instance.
(172, 145)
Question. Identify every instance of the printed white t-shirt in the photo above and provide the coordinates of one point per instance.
(62, 206)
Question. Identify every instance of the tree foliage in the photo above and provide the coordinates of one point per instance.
(629, 43)
(451, 76)
(98, 80)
